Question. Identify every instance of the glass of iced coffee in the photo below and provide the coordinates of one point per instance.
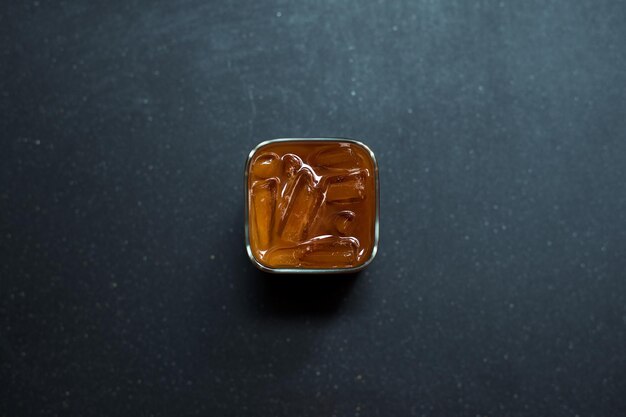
(311, 205)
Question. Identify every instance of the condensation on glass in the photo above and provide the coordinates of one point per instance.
(311, 205)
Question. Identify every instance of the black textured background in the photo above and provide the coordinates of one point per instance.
(499, 288)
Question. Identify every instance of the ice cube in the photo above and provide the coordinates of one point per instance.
(336, 157)
(263, 198)
(330, 251)
(284, 257)
(291, 164)
(347, 188)
(344, 222)
(266, 165)
(303, 201)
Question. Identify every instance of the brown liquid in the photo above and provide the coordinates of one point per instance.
(312, 204)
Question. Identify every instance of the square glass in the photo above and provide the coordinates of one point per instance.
(312, 205)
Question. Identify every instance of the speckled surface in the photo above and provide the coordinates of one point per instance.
(500, 285)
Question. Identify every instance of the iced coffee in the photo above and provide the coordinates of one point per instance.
(312, 204)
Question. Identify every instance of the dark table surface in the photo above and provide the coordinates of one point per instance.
(500, 285)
